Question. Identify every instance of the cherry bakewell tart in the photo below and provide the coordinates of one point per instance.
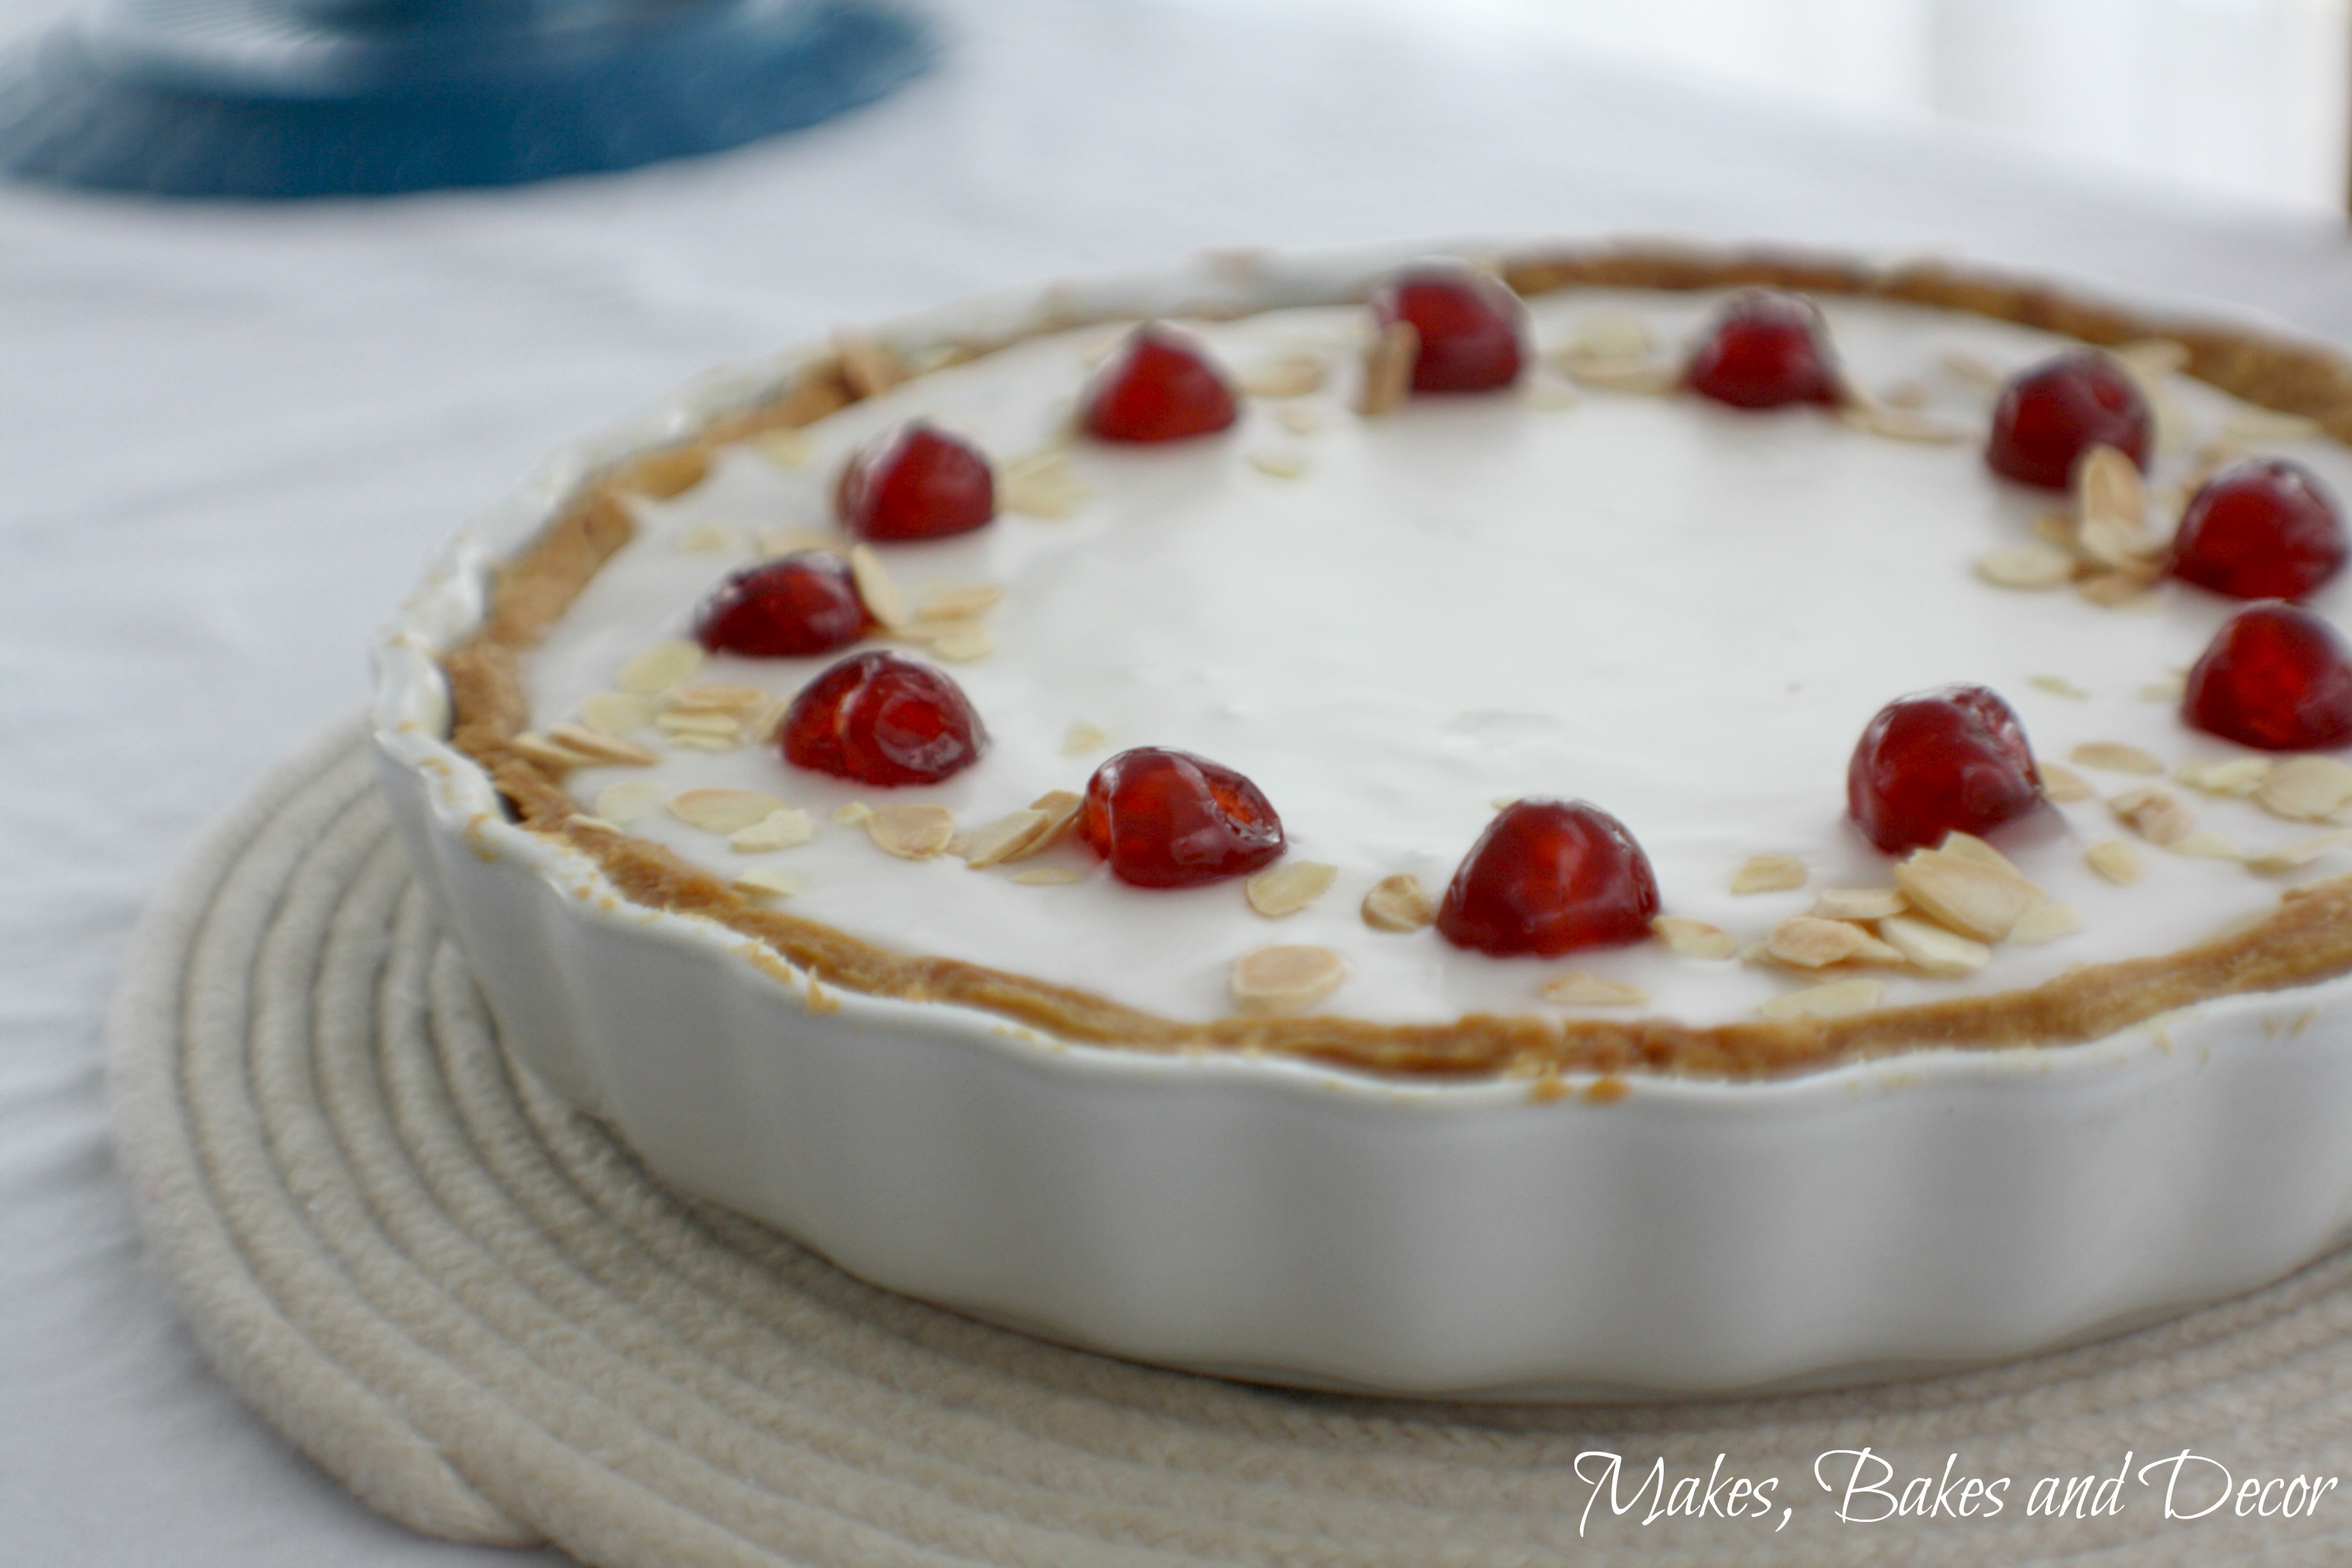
(1571, 681)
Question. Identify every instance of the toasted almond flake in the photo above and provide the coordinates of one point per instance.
(1004, 839)
(770, 880)
(1901, 424)
(794, 540)
(1769, 874)
(2155, 813)
(876, 586)
(2219, 451)
(1285, 979)
(2296, 856)
(723, 810)
(1399, 903)
(870, 371)
(538, 748)
(1300, 418)
(615, 712)
(1836, 1000)
(2118, 546)
(1608, 334)
(706, 539)
(2258, 426)
(2115, 757)
(1688, 938)
(1858, 904)
(2117, 861)
(1288, 888)
(2206, 847)
(1503, 802)
(2065, 785)
(963, 647)
(2155, 356)
(2116, 590)
(1907, 394)
(1804, 941)
(959, 602)
(761, 727)
(1578, 989)
(2305, 789)
(1061, 808)
(1932, 948)
(718, 726)
(601, 748)
(713, 699)
(1968, 847)
(2168, 689)
(786, 447)
(2106, 487)
(785, 829)
(2057, 530)
(1973, 368)
(2235, 778)
(2029, 566)
(1295, 375)
(2059, 685)
(1642, 376)
(623, 803)
(853, 813)
(2046, 923)
(1546, 396)
(663, 474)
(1279, 464)
(661, 667)
(713, 743)
(1388, 369)
(1049, 877)
(587, 824)
(1972, 897)
(1081, 738)
(1040, 484)
(911, 832)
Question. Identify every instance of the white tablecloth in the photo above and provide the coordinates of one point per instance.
(228, 435)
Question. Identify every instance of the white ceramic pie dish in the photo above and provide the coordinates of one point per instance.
(1277, 1220)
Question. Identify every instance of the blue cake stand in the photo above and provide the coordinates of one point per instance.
(319, 97)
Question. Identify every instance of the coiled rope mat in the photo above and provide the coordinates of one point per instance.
(477, 1309)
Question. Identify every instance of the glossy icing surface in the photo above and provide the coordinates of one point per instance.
(1682, 613)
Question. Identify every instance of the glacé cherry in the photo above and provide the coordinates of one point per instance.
(883, 719)
(1547, 876)
(2275, 675)
(1158, 384)
(797, 605)
(1768, 348)
(914, 480)
(1469, 322)
(2052, 413)
(1953, 759)
(1165, 818)
(2261, 528)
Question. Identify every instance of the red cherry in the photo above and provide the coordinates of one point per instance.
(1936, 761)
(1549, 875)
(801, 604)
(1469, 321)
(2261, 528)
(1159, 386)
(883, 719)
(2053, 413)
(2275, 675)
(914, 481)
(1768, 348)
(1168, 819)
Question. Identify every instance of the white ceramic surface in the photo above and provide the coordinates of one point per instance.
(1280, 1221)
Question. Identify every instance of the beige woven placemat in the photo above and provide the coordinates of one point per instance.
(477, 1309)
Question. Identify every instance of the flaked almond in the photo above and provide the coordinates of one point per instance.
(1858, 904)
(959, 602)
(1804, 941)
(2046, 923)
(611, 750)
(1279, 464)
(1061, 807)
(708, 539)
(1295, 375)
(1836, 1000)
(2206, 847)
(785, 829)
(661, 667)
(2059, 685)
(535, 747)
(1642, 376)
(1973, 898)
(1040, 484)
(1907, 394)
(579, 821)
(770, 881)
(798, 537)
(2057, 530)
(1932, 948)
(1968, 847)
(723, 810)
(851, 813)
(672, 471)
(1288, 888)
(1001, 840)
(725, 726)
(1299, 418)
(1688, 938)
(2117, 590)
(2118, 544)
(2108, 488)
(2295, 857)
(2117, 861)
(1081, 738)
(876, 586)
(2115, 757)
(692, 742)
(2028, 566)
(911, 832)
(2151, 357)
(2234, 777)
(736, 699)
(963, 647)
(2155, 813)
(2305, 789)
(2065, 785)
(1388, 369)
(1049, 877)
(1769, 874)
(786, 447)
(623, 803)
(615, 712)
(2168, 689)
(868, 370)
(1578, 989)
(1399, 903)
(1546, 396)
(1608, 334)
(1892, 424)
(761, 728)
(1285, 979)
(2261, 426)
(1963, 365)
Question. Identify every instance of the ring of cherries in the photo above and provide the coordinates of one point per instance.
(1549, 876)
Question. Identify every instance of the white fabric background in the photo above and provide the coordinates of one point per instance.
(228, 435)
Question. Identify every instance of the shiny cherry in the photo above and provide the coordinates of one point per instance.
(1768, 348)
(2052, 413)
(1165, 818)
(2275, 675)
(914, 480)
(1160, 384)
(1953, 759)
(797, 605)
(1470, 325)
(1549, 877)
(2261, 528)
(883, 719)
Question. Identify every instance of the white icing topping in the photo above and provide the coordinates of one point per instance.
(1682, 613)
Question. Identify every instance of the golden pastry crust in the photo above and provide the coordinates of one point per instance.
(2308, 938)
